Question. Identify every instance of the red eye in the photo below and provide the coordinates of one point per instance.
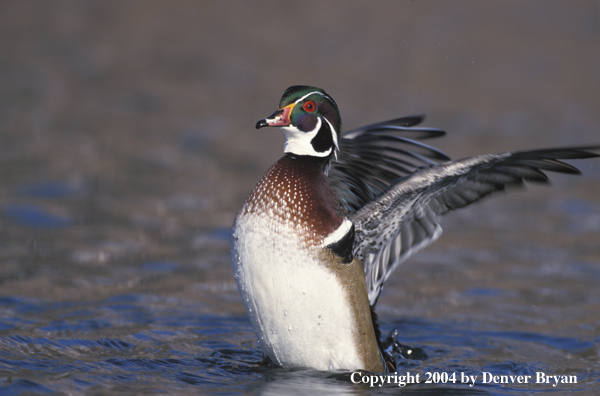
(309, 106)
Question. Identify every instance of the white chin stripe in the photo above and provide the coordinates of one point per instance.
(338, 234)
(298, 142)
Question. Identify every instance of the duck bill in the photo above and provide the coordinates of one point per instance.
(280, 118)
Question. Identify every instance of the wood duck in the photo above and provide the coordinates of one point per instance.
(326, 225)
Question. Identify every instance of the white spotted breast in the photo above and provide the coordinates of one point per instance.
(297, 304)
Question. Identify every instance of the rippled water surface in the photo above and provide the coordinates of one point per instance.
(127, 144)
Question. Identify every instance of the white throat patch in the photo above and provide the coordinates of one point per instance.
(299, 143)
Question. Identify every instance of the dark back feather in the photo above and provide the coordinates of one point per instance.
(373, 156)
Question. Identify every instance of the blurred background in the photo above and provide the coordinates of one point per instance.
(127, 145)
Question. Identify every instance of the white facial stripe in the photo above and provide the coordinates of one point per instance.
(333, 134)
(336, 148)
(313, 92)
(298, 142)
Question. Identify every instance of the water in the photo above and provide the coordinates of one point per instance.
(139, 343)
(127, 145)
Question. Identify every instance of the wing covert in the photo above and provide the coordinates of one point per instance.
(406, 217)
(373, 156)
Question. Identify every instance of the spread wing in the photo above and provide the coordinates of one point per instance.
(406, 217)
(372, 157)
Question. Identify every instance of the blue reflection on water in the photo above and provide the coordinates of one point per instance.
(20, 386)
(159, 266)
(137, 342)
(33, 216)
(48, 190)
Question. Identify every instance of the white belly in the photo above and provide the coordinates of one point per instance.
(296, 305)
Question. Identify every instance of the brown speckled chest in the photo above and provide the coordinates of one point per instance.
(295, 191)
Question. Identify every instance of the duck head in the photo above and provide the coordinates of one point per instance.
(310, 121)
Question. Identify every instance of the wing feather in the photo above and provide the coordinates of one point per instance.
(373, 156)
(406, 216)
